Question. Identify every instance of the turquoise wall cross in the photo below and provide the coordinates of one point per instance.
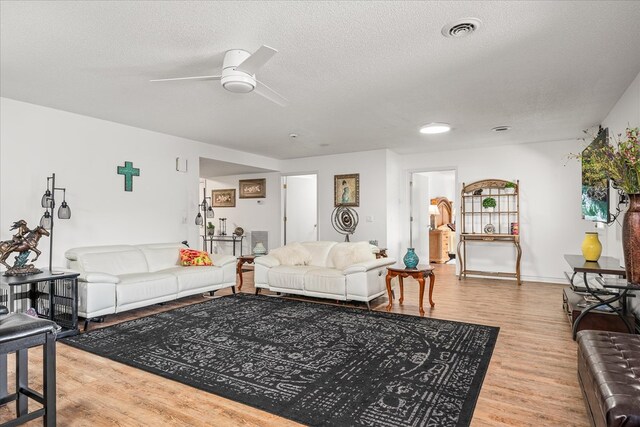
(129, 172)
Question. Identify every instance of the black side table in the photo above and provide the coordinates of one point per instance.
(614, 292)
(232, 238)
(52, 296)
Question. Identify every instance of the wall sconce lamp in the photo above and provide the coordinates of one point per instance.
(48, 202)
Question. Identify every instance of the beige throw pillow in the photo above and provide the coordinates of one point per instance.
(352, 253)
(292, 254)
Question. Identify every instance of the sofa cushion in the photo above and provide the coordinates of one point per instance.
(345, 254)
(115, 263)
(74, 254)
(195, 277)
(292, 254)
(288, 276)
(326, 281)
(160, 258)
(144, 286)
(319, 252)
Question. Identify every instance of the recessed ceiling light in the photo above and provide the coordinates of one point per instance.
(501, 128)
(293, 135)
(324, 144)
(432, 128)
(461, 28)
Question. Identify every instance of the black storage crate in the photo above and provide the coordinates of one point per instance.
(52, 296)
(57, 305)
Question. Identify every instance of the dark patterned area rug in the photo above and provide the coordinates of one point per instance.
(313, 363)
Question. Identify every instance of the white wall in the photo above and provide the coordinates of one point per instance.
(550, 223)
(419, 227)
(250, 214)
(442, 184)
(371, 165)
(393, 200)
(84, 153)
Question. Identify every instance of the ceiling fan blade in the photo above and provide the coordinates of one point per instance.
(188, 78)
(257, 60)
(273, 96)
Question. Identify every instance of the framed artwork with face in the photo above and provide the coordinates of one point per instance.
(346, 191)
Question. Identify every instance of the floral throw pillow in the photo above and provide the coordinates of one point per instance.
(190, 257)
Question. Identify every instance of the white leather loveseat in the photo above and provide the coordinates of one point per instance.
(340, 271)
(118, 278)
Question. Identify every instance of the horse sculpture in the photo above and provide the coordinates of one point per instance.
(23, 242)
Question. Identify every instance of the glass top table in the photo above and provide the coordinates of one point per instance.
(613, 291)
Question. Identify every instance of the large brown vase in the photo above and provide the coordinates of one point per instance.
(631, 239)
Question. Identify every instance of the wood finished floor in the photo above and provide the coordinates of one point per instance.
(531, 380)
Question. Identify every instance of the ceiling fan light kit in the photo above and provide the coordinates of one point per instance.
(238, 73)
(233, 80)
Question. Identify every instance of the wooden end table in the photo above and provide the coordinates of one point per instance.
(243, 259)
(419, 273)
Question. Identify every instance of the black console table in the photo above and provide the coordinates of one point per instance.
(233, 238)
(613, 292)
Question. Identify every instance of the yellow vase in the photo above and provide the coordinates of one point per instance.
(591, 246)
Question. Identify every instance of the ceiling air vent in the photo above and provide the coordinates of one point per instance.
(461, 28)
(501, 128)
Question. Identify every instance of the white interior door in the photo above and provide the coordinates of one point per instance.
(300, 196)
(420, 216)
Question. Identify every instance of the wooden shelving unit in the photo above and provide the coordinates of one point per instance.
(481, 225)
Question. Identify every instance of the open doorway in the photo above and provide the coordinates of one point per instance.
(300, 208)
(432, 231)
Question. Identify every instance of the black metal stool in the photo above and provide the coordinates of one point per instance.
(18, 333)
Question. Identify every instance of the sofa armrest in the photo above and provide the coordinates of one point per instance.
(97, 277)
(267, 261)
(368, 265)
(220, 260)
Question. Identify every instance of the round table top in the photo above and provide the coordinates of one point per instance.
(400, 268)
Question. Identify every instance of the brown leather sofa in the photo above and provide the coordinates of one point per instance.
(609, 375)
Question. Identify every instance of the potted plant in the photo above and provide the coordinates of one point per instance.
(211, 229)
(619, 160)
(510, 187)
(489, 203)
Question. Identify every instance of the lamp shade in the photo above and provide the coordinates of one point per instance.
(433, 210)
(47, 200)
(210, 213)
(199, 220)
(46, 221)
(64, 212)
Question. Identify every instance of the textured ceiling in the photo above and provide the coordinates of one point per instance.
(359, 75)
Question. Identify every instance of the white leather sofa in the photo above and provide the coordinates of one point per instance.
(324, 271)
(118, 278)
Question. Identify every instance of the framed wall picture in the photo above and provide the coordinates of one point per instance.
(223, 198)
(346, 190)
(253, 188)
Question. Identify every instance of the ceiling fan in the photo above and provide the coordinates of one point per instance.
(238, 73)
